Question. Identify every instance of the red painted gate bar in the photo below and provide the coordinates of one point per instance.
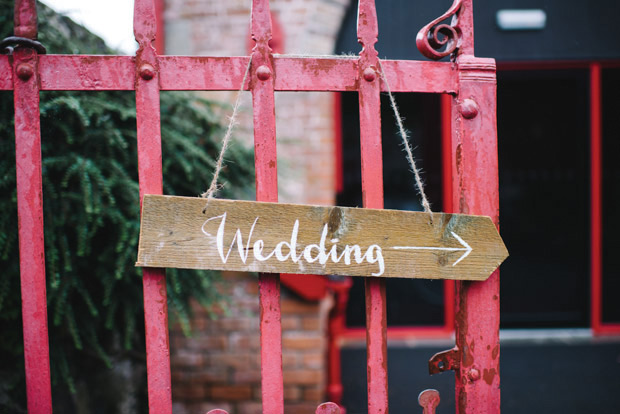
(30, 213)
(369, 76)
(475, 191)
(263, 104)
(146, 77)
(471, 149)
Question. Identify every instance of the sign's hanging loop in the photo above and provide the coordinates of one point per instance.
(213, 188)
(405, 137)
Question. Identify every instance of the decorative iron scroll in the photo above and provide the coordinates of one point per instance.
(432, 37)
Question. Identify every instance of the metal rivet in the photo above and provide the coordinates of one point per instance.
(369, 74)
(473, 374)
(263, 73)
(469, 108)
(25, 71)
(147, 72)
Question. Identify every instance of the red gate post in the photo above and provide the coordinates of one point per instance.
(369, 88)
(263, 105)
(475, 184)
(151, 182)
(475, 187)
(30, 212)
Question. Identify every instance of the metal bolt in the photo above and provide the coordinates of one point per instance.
(369, 74)
(263, 72)
(469, 108)
(147, 72)
(25, 71)
(473, 374)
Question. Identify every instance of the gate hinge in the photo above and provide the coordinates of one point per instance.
(444, 361)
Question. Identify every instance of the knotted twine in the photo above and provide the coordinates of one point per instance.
(213, 188)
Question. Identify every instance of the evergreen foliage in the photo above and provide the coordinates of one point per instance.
(91, 207)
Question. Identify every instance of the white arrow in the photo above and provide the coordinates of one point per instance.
(466, 247)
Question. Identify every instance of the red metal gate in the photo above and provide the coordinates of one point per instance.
(468, 81)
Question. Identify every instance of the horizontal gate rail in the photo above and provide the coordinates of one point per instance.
(103, 73)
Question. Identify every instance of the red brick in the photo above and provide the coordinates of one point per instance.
(314, 394)
(231, 392)
(311, 324)
(212, 375)
(302, 376)
(187, 359)
(230, 360)
(250, 408)
(314, 360)
(295, 306)
(203, 342)
(299, 342)
(247, 377)
(244, 341)
(292, 393)
(209, 375)
(290, 322)
(290, 359)
(192, 392)
(236, 324)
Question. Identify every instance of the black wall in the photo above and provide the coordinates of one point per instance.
(575, 30)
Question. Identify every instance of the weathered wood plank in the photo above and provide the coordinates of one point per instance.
(287, 238)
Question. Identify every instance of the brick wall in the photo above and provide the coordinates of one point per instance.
(219, 366)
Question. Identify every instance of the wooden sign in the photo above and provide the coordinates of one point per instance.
(288, 238)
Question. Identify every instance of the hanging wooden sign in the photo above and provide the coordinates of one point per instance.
(288, 238)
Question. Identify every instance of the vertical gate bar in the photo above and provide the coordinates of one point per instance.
(476, 191)
(30, 213)
(595, 198)
(466, 25)
(372, 192)
(151, 182)
(445, 103)
(263, 104)
(160, 39)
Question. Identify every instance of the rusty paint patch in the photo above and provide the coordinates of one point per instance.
(495, 352)
(468, 354)
(489, 375)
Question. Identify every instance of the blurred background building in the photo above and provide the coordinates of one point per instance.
(558, 85)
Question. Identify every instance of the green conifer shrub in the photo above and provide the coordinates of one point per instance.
(91, 207)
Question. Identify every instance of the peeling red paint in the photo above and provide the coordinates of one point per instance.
(489, 375)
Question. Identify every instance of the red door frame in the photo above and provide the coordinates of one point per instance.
(596, 177)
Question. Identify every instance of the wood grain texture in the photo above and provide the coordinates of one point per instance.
(176, 233)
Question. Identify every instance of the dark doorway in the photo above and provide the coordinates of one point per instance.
(543, 135)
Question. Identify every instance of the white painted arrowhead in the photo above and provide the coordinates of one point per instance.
(466, 247)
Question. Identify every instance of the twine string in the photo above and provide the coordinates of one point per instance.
(407, 147)
(214, 188)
